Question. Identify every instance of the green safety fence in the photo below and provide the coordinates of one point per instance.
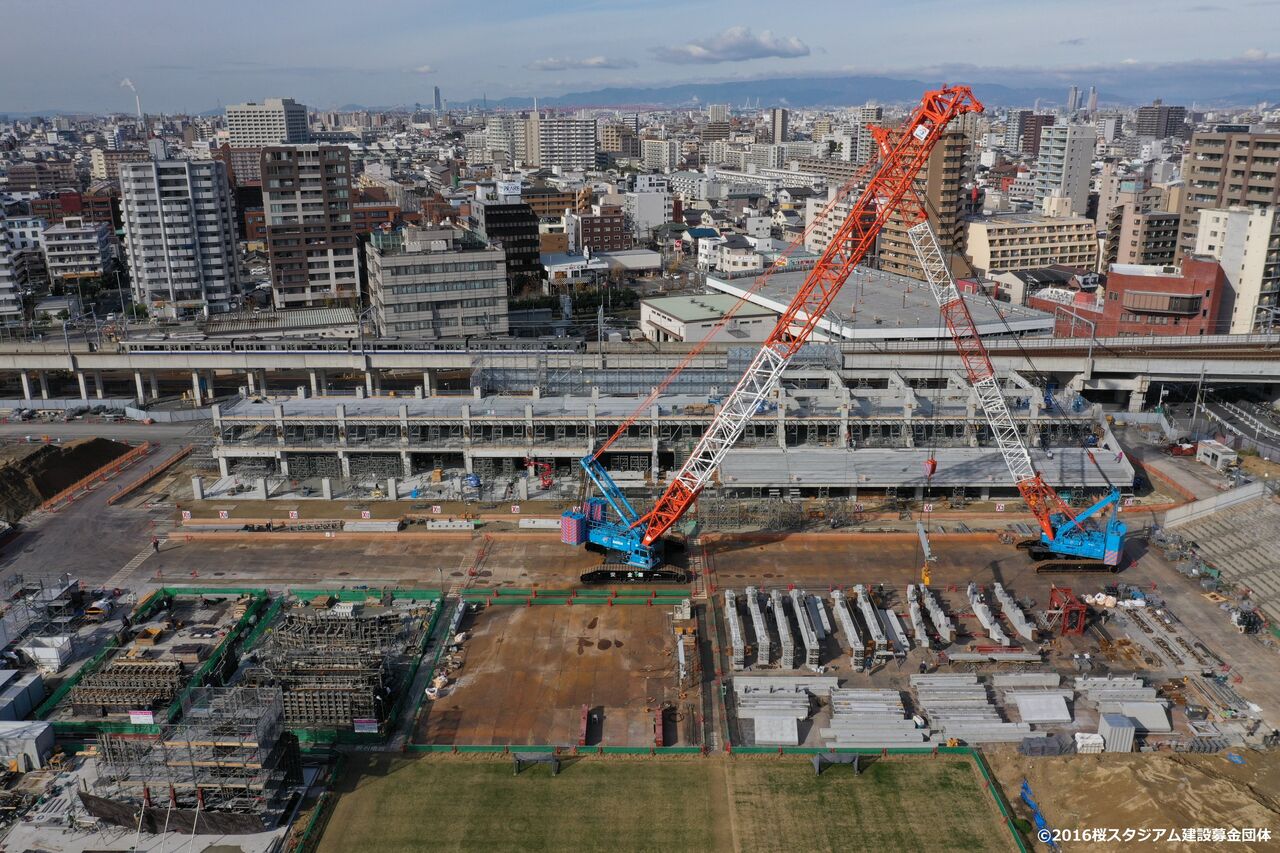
(396, 593)
(323, 808)
(264, 623)
(145, 609)
(1005, 810)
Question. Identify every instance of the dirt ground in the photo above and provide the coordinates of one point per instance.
(29, 479)
(1147, 791)
(527, 672)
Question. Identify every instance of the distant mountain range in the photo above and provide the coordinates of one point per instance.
(821, 91)
(1202, 83)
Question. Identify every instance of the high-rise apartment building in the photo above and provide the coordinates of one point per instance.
(436, 283)
(10, 283)
(779, 125)
(619, 140)
(941, 186)
(660, 154)
(1073, 99)
(1064, 163)
(180, 236)
(1093, 100)
(1013, 125)
(1032, 124)
(1160, 120)
(311, 242)
(1246, 242)
(568, 144)
(275, 121)
(1222, 170)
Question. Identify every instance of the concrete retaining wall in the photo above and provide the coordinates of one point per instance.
(1187, 513)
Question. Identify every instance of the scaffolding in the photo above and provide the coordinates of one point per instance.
(337, 665)
(229, 751)
(128, 684)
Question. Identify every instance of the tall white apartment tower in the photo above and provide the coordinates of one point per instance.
(1063, 164)
(180, 236)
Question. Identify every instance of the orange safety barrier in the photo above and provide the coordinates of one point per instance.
(101, 475)
(151, 475)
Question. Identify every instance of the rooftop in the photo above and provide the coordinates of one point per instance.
(707, 306)
(876, 305)
(279, 321)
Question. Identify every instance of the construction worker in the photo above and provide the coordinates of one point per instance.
(155, 544)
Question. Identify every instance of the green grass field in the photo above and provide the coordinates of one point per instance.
(391, 803)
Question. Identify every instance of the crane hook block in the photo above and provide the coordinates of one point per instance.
(930, 466)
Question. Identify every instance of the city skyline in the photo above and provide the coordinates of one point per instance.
(537, 49)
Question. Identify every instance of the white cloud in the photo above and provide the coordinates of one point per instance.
(423, 69)
(736, 44)
(1255, 53)
(567, 64)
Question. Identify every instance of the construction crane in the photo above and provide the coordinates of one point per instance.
(1087, 541)
(632, 541)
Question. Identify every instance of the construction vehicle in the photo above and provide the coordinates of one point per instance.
(633, 542)
(546, 472)
(1069, 541)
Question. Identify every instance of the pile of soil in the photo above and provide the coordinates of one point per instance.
(1146, 790)
(30, 481)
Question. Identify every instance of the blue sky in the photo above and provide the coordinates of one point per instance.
(182, 55)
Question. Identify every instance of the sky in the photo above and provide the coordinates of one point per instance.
(188, 56)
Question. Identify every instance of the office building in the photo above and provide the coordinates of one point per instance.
(437, 101)
(940, 184)
(1093, 100)
(548, 202)
(660, 154)
(512, 227)
(1064, 164)
(779, 125)
(311, 243)
(1013, 242)
(180, 236)
(1246, 242)
(718, 112)
(75, 250)
(432, 283)
(1160, 121)
(275, 121)
(1227, 169)
(1073, 99)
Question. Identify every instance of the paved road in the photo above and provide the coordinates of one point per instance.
(130, 431)
(89, 538)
